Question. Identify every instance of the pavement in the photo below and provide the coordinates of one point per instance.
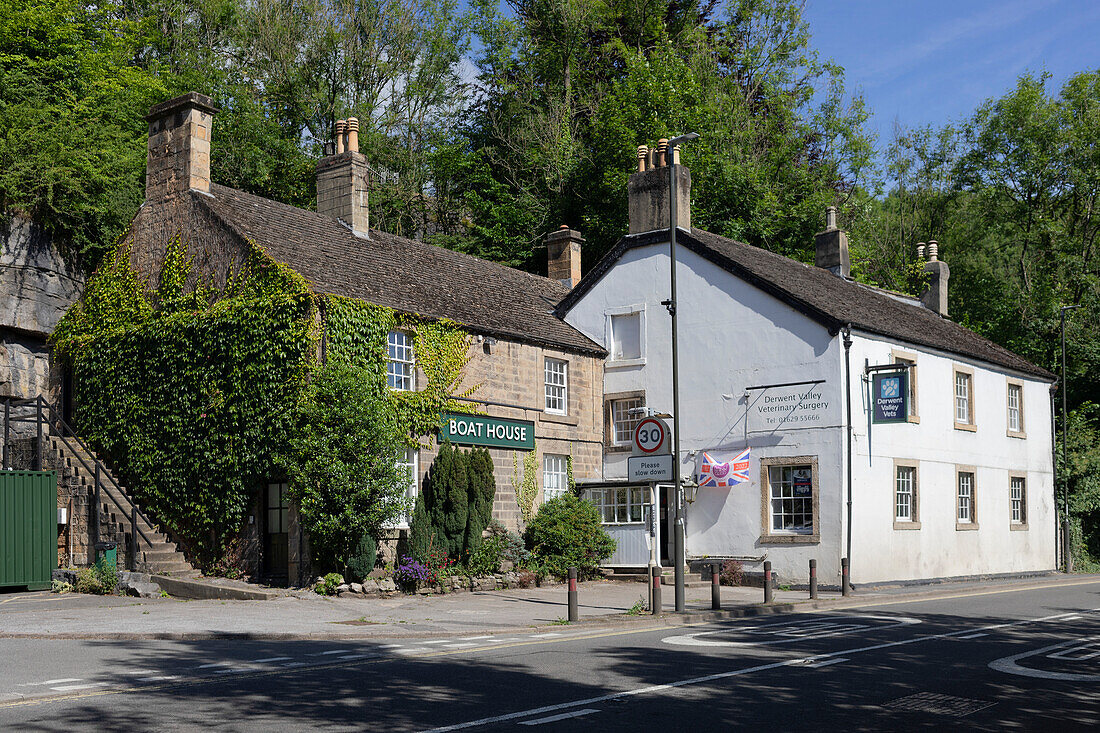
(305, 615)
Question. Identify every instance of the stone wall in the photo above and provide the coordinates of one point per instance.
(511, 373)
(37, 286)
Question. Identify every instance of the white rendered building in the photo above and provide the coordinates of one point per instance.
(961, 486)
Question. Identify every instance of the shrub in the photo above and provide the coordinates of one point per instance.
(411, 572)
(732, 572)
(328, 584)
(512, 549)
(485, 560)
(100, 579)
(363, 561)
(455, 505)
(566, 532)
(60, 586)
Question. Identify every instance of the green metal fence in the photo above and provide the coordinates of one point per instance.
(28, 528)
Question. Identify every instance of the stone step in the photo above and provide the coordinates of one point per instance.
(178, 567)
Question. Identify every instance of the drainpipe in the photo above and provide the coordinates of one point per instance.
(848, 399)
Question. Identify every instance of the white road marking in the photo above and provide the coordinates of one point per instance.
(1072, 618)
(1009, 666)
(53, 682)
(70, 688)
(973, 636)
(787, 632)
(826, 663)
(159, 678)
(563, 716)
(331, 651)
(216, 664)
(460, 646)
(272, 659)
(474, 638)
(412, 651)
(545, 635)
(726, 675)
(437, 641)
(391, 646)
(137, 671)
(295, 664)
(1073, 655)
(233, 670)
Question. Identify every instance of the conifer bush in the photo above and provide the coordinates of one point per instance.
(566, 532)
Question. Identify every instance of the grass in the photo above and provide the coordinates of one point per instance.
(638, 608)
(560, 622)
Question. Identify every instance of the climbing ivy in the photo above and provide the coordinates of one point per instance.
(196, 394)
(526, 486)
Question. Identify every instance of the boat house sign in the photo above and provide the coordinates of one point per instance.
(491, 432)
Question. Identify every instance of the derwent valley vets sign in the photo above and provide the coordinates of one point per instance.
(491, 432)
(890, 392)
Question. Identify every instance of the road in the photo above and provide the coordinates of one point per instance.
(995, 660)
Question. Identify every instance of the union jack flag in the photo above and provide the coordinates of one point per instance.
(733, 471)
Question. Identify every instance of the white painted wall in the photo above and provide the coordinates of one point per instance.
(733, 336)
(938, 549)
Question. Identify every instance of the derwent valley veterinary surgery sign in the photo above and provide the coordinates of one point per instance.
(778, 409)
(492, 432)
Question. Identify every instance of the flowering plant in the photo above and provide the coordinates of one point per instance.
(411, 572)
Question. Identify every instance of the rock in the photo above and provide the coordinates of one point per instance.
(357, 588)
(506, 566)
(138, 585)
(370, 586)
(510, 580)
(345, 593)
(386, 585)
(342, 588)
(485, 583)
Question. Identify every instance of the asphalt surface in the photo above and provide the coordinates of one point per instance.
(989, 659)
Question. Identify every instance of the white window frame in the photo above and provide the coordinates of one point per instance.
(613, 362)
(629, 421)
(1014, 385)
(555, 475)
(966, 504)
(412, 489)
(555, 385)
(1017, 505)
(620, 505)
(961, 400)
(911, 493)
(400, 361)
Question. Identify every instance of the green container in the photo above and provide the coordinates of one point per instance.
(106, 553)
(28, 528)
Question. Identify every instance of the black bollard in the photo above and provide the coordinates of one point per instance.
(574, 610)
(768, 593)
(845, 586)
(813, 578)
(715, 587)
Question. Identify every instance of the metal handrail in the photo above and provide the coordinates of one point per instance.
(42, 407)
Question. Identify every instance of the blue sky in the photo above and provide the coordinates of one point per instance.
(931, 62)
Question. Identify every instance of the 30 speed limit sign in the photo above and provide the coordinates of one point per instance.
(651, 437)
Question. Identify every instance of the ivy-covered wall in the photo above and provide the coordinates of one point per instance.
(193, 392)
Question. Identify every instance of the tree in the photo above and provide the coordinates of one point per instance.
(342, 463)
(482, 488)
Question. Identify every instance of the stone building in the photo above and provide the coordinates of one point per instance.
(527, 364)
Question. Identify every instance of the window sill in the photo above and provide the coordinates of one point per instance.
(915, 419)
(969, 427)
(966, 526)
(789, 539)
(623, 363)
(906, 525)
(1018, 527)
(556, 418)
(1016, 434)
(617, 448)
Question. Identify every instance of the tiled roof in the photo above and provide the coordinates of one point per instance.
(403, 274)
(824, 297)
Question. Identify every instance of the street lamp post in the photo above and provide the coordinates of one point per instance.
(678, 531)
(1066, 556)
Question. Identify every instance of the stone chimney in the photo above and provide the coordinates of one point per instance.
(179, 146)
(563, 256)
(342, 180)
(935, 297)
(647, 190)
(831, 247)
